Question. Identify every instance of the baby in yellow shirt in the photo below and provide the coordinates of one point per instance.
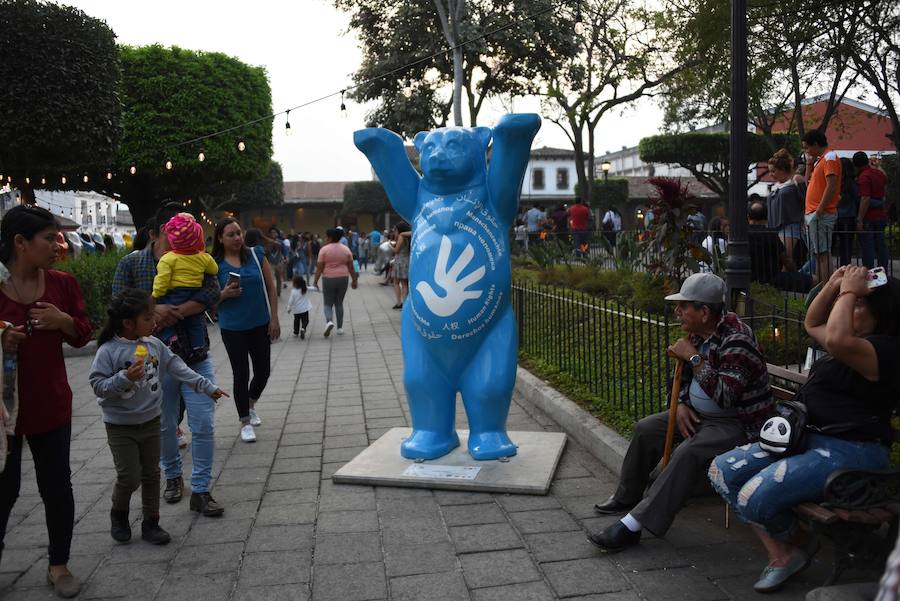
(179, 276)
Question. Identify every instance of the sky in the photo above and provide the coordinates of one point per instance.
(307, 51)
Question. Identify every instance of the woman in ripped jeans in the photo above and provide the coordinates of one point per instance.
(857, 386)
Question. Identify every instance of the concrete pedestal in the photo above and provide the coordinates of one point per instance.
(529, 472)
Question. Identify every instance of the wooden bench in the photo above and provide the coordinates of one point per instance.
(860, 509)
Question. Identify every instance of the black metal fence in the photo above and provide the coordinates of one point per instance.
(617, 351)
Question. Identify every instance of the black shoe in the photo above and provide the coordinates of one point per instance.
(203, 502)
(120, 529)
(615, 538)
(152, 533)
(174, 489)
(612, 507)
(302, 333)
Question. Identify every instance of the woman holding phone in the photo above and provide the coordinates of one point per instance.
(246, 319)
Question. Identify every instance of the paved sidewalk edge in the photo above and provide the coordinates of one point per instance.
(601, 441)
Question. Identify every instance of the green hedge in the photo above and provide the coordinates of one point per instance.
(94, 273)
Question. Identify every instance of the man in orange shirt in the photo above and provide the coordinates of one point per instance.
(823, 174)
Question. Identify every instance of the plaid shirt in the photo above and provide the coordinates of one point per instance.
(734, 374)
(138, 269)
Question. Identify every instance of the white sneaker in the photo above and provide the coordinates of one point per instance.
(247, 434)
(328, 327)
(340, 331)
(254, 419)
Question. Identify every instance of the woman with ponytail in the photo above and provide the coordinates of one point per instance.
(41, 309)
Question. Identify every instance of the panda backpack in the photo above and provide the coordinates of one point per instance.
(785, 433)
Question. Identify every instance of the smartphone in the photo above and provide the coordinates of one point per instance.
(877, 277)
(233, 278)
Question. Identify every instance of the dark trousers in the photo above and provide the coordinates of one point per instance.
(50, 452)
(669, 492)
(300, 318)
(333, 291)
(240, 344)
(844, 231)
(135, 452)
(873, 244)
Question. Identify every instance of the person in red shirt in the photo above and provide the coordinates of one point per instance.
(579, 223)
(872, 217)
(42, 308)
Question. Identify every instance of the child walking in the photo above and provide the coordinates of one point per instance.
(299, 305)
(126, 377)
(179, 276)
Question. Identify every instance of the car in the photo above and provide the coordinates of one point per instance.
(87, 242)
(76, 248)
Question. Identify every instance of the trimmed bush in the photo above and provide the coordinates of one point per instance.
(95, 275)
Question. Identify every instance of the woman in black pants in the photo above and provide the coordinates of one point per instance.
(335, 267)
(39, 310)
(246, 319)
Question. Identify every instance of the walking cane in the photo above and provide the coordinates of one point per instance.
(673, 409)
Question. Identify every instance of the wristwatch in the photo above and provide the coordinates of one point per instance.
(695, 360)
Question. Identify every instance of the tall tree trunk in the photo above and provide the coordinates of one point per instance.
(450, 16)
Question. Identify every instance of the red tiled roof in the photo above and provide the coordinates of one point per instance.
(296, 192)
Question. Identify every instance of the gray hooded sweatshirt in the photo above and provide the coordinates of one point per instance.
(129, 403)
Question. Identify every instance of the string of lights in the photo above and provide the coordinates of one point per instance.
(241, 144)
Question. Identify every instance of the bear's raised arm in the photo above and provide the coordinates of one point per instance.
(385, 152)
(513, 135)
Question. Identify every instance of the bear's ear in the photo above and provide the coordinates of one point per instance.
(484, 135)
(419, 140)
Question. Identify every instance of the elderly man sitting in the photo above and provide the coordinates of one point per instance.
(725, 399)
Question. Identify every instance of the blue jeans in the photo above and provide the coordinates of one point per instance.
(193, 326)
(872, 244)
(201, 417)
(761, 488)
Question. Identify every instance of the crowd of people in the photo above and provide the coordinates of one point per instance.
(152, 368)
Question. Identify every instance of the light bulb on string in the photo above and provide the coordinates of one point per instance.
(169, 164)
(201, 156)
(109, 175)
(27, 180)
(579, 23)
(241, 146)
(43, 181)
(287, 123)
(63, 180)
(133, 169)
(85, 178)
(343, 106)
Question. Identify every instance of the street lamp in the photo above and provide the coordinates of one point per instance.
(605, 167)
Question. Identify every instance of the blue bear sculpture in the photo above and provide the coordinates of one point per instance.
(458, 329)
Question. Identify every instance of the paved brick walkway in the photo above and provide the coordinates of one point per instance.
(289, 533)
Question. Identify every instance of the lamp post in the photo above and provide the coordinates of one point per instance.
(605, 166)
(737, 265)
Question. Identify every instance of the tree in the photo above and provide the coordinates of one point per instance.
(706, 156)
(411, 88)
(266, 191)
(795, 50)
(172, 95)
(621, 56)
(59, 99)
(876, 59)
(366, 197)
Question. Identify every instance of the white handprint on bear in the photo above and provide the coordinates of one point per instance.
(456, 293)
